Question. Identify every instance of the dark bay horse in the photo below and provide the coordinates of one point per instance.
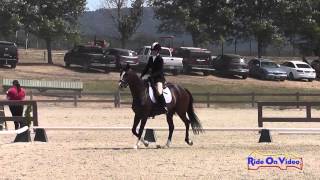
(181, 104)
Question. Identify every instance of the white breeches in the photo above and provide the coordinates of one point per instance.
(159, 87)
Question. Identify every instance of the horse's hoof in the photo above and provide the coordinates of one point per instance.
(146, 143)
(189, 142)
(168, 144)
(158, 146)
(135, 147)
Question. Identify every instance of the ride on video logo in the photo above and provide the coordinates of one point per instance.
(257, 160)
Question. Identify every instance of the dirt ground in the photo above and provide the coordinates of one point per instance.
(110, 154)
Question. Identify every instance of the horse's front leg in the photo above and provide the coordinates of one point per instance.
(141, 128)
(136, 122)
(171, 128)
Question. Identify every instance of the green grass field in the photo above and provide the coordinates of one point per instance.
(112, 86)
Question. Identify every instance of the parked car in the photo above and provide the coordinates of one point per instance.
(315, 64)
(231, 64)
(171, 64)
(266, 69)
(194, 59)
(299, 70)
(8, 54)
(89, 56)
(123, 57)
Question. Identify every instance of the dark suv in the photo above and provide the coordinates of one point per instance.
(231, 64)
(194, 59)
(8, 54)
(89, 56)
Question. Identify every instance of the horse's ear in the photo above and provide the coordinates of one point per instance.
(127, 67)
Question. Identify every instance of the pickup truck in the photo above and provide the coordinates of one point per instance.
(195, 59)
(89, 57)
(8, 54)
(171, 64)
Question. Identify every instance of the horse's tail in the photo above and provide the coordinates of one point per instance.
(194, 120)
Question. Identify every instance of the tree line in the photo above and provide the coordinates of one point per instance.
(266, 21)
(206, 21)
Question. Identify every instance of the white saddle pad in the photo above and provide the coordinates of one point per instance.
(166, 93)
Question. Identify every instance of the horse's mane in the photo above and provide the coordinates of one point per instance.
(131, 72)
(134, 76)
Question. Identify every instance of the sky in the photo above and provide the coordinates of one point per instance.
(93, 4)
(96, 4)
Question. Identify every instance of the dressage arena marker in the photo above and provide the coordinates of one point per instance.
(299, 133)
(18, 131)
(264, 137)
(85, 128)
(23, 134)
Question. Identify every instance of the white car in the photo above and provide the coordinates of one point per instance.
(299, 70)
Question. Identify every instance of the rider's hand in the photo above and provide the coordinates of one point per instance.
(141, 76)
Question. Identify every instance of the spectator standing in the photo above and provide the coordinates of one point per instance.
(16, 92)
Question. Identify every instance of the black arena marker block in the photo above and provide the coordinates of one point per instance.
(265, 136)
(23, 137)
(40, 135)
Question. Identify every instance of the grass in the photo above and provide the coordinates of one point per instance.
(112, 86)
(100, 86)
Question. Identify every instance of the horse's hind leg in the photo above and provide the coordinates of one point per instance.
(171, 128)
(187, 124)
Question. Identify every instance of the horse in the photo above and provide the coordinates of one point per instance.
(144, 108)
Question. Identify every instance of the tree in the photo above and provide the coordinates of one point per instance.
(257, 18)
(300, 22)
(180, 16)
(126, 20)
(8, 19)
(218, 17)
(50, 19)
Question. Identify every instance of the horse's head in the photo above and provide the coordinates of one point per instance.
(123, 82)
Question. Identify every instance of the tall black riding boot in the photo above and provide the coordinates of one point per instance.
(162, 102)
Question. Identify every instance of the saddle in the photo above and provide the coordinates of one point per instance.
(151, 92)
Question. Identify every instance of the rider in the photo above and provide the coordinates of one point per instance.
(155, 63)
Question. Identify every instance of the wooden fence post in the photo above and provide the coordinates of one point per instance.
(260, 122)
(35, 113)
(31, 95)
(297, 98)
(75, 97)
(308, 111)
(253, 99)
(208, 99)
(117, 99)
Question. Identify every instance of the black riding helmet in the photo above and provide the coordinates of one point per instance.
(156, 46)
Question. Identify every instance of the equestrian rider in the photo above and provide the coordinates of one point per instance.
(155, 63)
